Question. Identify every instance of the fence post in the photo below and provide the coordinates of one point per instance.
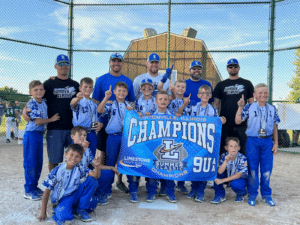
(70, 44)
(271, 51)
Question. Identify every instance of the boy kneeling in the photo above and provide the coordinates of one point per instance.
(232, 167)
(71, 187)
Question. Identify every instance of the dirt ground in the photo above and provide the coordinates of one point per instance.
(285, 182)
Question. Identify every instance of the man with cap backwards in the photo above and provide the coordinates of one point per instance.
(195, 82)
(226, 95)
(60, 90)
(153, 65)
(102, 85)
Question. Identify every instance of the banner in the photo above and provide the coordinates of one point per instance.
(289, 114)
(182, 148)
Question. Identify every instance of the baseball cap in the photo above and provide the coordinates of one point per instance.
(153, 57)
(62, 58)
(116, 55)
(232, 62)
(146, 81)
(195, 64)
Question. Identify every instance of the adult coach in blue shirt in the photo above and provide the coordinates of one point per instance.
(195, 82)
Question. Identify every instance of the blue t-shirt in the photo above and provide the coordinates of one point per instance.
(38, 111)
(192, 88)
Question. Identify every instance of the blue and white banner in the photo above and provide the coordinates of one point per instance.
(182, 148)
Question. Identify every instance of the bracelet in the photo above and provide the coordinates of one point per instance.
(239, 114)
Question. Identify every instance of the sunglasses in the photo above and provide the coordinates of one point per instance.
(230, 67)
(204, 93)
(196, 68)
(114, 56)
(63, 64)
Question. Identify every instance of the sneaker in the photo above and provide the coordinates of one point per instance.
(192, 194)
(133, 197)
(239, 198)
(83, 215)
(150, 198)
(199, 197)
(121, 186)
(268, 200)
(162, 191)
(251, 201)
(7, 141)
(172, 198)
(108, 196)
(218, 199)
(32, 196)
(102, 200)
(210, 184)
(39, 192)
(182, 189)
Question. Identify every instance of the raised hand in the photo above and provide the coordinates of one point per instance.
(169, 72)
(108, 93)
(79, 95)
(55, 117)
(241, 102)
(186, 100)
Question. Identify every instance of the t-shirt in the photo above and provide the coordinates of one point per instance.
(2, 107)
(59, 94)
(230, 92)
(238, 165)
(10, 111)
(192, 88)
(38, 111)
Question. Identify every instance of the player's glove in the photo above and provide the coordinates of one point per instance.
(167, 74)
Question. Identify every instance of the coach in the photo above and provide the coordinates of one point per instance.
(195, 82)
(226, 95)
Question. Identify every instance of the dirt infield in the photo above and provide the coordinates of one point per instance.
(285, 182)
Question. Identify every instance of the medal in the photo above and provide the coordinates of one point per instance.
(262, 133)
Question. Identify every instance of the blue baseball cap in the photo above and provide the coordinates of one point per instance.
(232, 62)
(195, 64)
(153, 57)
(62, 58)
(116, 55)
(146, 81)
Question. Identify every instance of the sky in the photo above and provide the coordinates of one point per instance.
(221, 27)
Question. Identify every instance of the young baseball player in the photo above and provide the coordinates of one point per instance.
(11, 114)
(175, 104)
(33, 140)
(116, 111)
(162, 101)
(233, 169)
(72, 186)
(202, 108)
(262, 120)
(85, 112)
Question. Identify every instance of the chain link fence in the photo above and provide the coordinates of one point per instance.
(34, 32)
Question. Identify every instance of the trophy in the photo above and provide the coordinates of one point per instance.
(262, 132)
(93, 126)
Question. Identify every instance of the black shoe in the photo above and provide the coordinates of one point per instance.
(7, 141)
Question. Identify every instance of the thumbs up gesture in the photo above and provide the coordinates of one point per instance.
(108, 93)
(241, 102)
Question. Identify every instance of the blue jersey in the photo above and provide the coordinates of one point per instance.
(167, 112)
(116, 112)
(85, 113)
(192, 88)
(176, 103)
(38, 111)
(63, 182)
(145, 106)
(209, 110)
(87, 158)
(252, 112)
(238, 165)
(102, 85)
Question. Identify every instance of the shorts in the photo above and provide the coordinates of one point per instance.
(57, 141)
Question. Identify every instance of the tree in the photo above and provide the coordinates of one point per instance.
(10, 94)
(295, 81)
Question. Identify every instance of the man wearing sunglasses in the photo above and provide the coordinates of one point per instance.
(195, 82)
(226, 95)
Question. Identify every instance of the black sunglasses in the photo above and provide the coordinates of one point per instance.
(230, 67)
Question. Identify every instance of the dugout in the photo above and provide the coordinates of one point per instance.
(134, 62)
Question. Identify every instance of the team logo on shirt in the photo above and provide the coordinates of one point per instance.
(66, 92)
(170, 156)
(234, 90)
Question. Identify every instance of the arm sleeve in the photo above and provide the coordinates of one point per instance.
(35, 112)
(51, 179)
(242, 166)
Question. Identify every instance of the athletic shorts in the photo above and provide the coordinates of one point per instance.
(57, 141)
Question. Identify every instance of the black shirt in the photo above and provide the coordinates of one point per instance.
(230, 92)
(59, 94)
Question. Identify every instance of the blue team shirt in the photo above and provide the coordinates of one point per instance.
(116, 112)
(145, 106)
(167, 112)
(192, 88)
(209, 110)
(85, 113)
(38, 111)
(250, 112)
(102, 85)
(176, 103)
(238, 165)
(63, 182)
(87, 158)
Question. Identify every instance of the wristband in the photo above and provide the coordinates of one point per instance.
(164, 80)
(239, 114)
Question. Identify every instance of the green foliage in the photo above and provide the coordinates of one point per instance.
(295, 81)
(10, 94)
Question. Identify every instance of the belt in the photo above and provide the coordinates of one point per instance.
(264, 137)
(89, 130)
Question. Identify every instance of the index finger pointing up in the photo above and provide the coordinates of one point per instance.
(243, 96)
(110, 88)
